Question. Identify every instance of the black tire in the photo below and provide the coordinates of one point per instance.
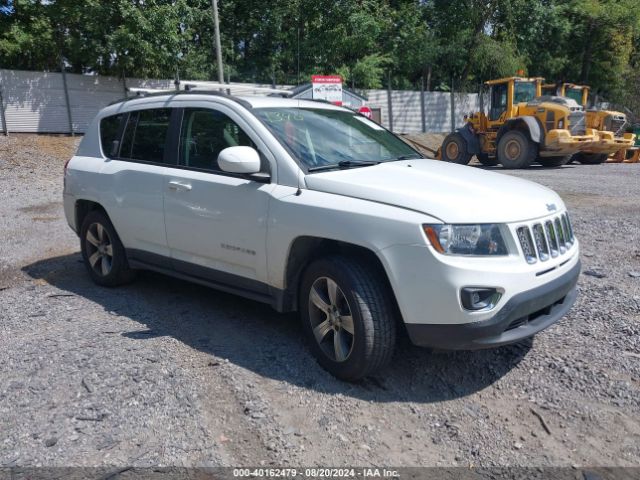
(554, 161)
(516, 150)
(454, 149)
(486, 160)
(590, 158)
(363, 291)
(98, 237)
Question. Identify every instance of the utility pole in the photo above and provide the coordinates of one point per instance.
(453, 107)
(66, 95)
(298, 79)
(216, 24)
(389, 101)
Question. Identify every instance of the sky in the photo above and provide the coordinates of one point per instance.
(6, 7)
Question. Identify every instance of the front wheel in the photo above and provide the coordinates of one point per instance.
(590, 158)
(486, 160)
(554, 161)
(516, 150)
(348, 317)
(454, 149)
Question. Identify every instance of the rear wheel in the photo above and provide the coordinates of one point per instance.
(348, 317)
(554, 161)
(590, 158)
(515, 150)
(486, 160)
(102, 251)
(454, 149)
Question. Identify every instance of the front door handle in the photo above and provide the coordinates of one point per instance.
(175, 185)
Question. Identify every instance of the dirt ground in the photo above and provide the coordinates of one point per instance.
(164, 372)
(427, 143)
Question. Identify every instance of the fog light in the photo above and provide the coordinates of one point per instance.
(478, 298)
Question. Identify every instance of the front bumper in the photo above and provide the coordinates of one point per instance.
(608, 143)
(524, 315)
(561, 142)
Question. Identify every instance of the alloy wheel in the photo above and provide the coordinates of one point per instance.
(99, 249)
(331, 319)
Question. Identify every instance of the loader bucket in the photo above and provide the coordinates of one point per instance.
(627, 155)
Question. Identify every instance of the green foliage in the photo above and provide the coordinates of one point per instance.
(285, 41)
(367, 71)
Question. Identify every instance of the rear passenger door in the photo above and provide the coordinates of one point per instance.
(216, 221)
(134, 182)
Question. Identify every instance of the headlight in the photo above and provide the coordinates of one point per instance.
(483, 239)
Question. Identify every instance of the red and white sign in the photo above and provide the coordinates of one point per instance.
(327, 87)
(366, 111)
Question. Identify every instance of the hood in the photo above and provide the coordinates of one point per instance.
(452, 193)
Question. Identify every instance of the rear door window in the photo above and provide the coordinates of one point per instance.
(110, 133)
(145, 136)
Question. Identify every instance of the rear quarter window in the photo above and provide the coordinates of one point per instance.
(109, 133)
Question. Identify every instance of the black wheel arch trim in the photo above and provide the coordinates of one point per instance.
(470, 138)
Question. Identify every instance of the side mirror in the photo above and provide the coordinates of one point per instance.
(239, 160)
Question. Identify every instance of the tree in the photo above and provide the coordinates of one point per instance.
(592, 41)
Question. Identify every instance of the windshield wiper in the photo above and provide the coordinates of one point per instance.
(406, 157)
(343, 164)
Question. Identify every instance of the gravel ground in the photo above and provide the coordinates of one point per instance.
(163, 372)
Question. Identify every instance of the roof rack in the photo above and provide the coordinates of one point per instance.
(237, 88)
(201, 88)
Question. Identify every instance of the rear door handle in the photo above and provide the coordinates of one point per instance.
(179, 186)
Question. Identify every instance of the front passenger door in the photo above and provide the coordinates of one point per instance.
(216, 221)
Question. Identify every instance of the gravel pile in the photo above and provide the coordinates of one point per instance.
(166, 373)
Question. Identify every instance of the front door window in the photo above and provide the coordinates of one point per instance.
(205, 133)
(498, 101)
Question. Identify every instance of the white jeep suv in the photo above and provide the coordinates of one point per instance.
(311, 207)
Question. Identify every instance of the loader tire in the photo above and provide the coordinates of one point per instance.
(555, 161)
(454, 149)
(590, 158)
(486, 160)
(516, 150)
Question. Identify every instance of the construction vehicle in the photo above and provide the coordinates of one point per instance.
(521, 127)
(631, 154)
(610, 125)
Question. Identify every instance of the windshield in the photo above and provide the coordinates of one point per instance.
(323, 137)
(524, 92)
(576, 94)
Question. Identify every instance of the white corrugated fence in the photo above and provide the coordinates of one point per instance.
(34, 102)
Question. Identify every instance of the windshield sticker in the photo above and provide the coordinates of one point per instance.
(287, 116)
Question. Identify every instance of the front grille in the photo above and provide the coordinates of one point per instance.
(577, 125)
(532, 317)
(543, 240)
(615, 124)
(550, 121)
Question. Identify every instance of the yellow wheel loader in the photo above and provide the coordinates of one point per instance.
(520, 128)
(609, 125)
